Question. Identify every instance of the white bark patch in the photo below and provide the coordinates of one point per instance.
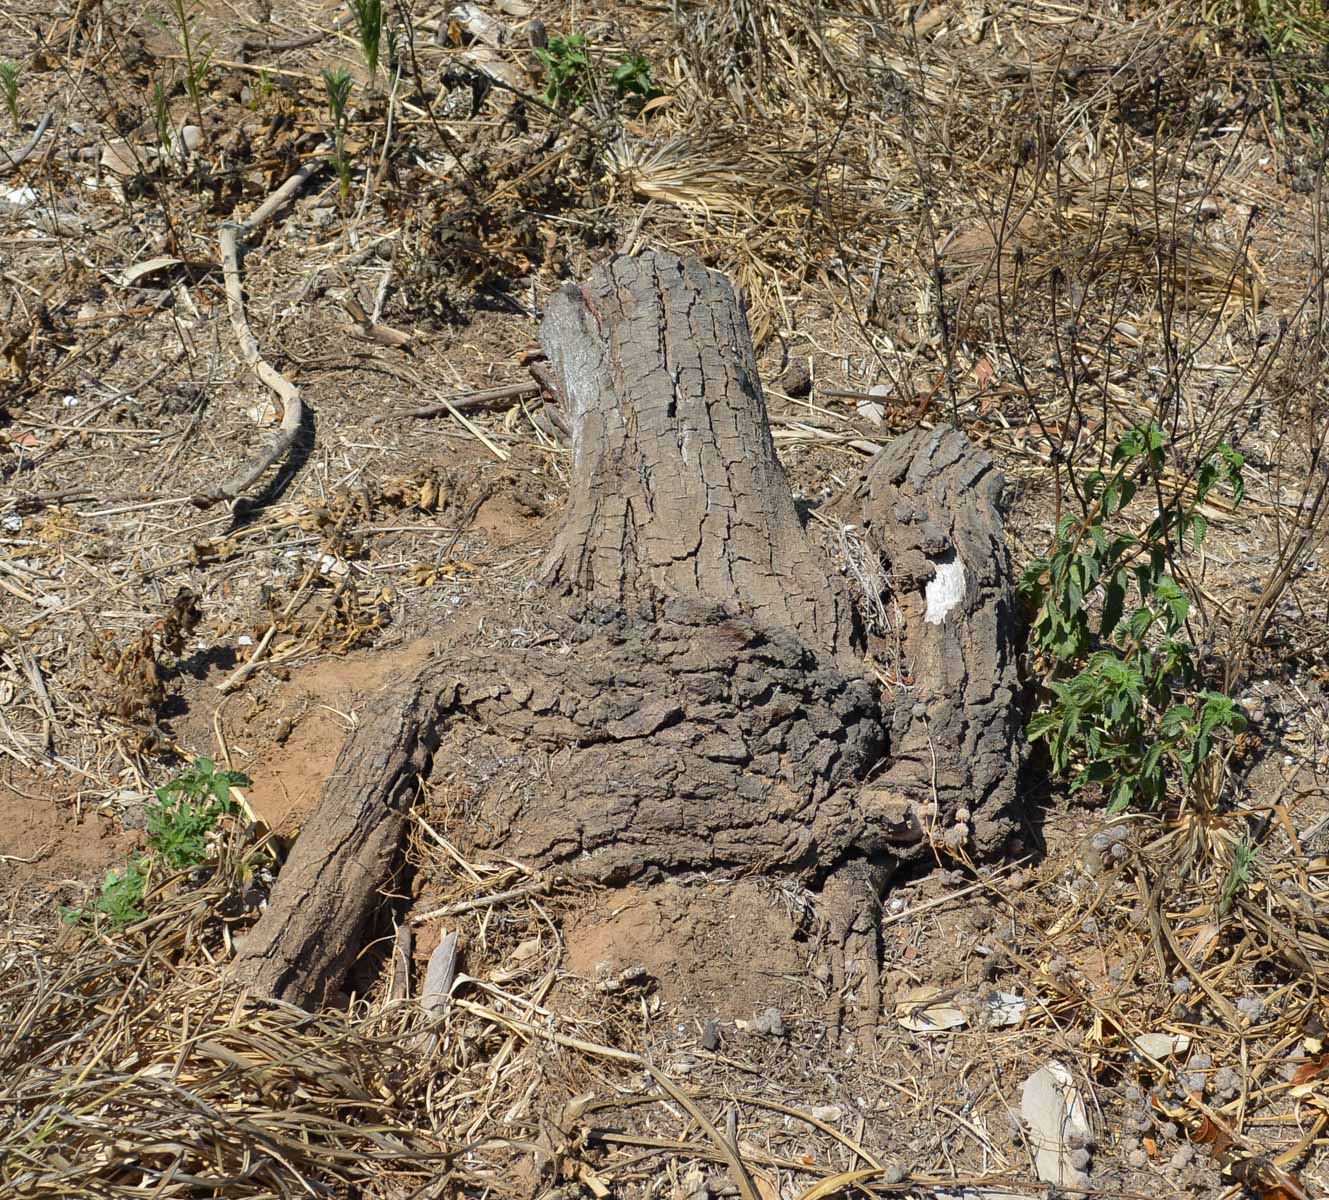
(944, 590)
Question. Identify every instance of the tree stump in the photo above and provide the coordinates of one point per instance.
(710, 707)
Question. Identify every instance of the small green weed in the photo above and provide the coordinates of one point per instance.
(632, 77)
(567, 61)
(368, 16)
(337, 84)
(161, 112)
(197, 56)
(121, 901)
(1238, 877)
(9, 76)
(187, 811)
(1135, 713)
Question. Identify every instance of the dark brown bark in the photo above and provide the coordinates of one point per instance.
(713, 711)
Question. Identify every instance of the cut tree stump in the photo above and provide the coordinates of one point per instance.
(711, 708)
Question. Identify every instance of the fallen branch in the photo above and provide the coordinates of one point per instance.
(469, 400)
(17, 160)
(288, 395)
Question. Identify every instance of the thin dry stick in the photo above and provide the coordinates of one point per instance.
(17, 160)
(469, 400)
(288, 395)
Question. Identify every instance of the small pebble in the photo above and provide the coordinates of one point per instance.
(710, 1036)
(892, 1174)
(769, 1023)
(1181, 986)
(1251, 1006)
(1138, 1158)
(1182, 1158)
(1227, 1082)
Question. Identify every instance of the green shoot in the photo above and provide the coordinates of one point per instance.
(633, 77)
(567, 62)
(368, 16)
(338, 86)
(198, 58)
(1238, 877)
(161, 113)
(9, 74)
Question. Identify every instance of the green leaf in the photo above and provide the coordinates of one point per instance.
(1176, 718)
(1114, 604)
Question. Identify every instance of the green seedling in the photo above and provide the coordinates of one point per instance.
(566, 61)
(161, 112)
(632, 77)
(187, 811)
(368, 17)
(337, 84)
(1238, 877)
(9, 76)
(181, 822)
(198, 57)
(121, 899)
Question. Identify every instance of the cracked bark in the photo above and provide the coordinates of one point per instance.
(714, 712)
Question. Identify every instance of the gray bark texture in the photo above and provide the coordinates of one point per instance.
(711, 708)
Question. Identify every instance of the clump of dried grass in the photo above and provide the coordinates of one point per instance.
(131, 1067)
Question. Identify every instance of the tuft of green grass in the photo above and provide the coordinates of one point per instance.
(368, 16)
(9, 77)
(1298, 26)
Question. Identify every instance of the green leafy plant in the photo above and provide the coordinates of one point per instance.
(180, 823)
(9, 76)
(198, 57)
(121, 899)
(1129, 710)
(337, 84)
(633, 77)
(187, 811)
(567, 62)
(368, 17)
